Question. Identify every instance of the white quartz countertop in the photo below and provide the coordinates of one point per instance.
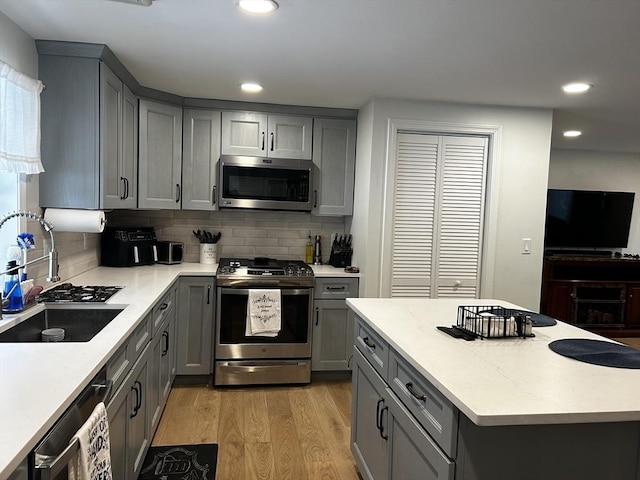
(38, 381)
(511, 381)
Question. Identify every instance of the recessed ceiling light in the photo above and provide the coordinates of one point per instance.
(251, 87)
(258, 6)
(572, 133)
(576, 87)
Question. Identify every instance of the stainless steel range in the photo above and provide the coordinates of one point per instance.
(244, 357)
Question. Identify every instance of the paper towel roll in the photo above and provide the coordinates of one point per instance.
(72, 220)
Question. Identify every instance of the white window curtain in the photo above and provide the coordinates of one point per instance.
(19, 122)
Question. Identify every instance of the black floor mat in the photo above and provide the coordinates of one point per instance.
(180, 462)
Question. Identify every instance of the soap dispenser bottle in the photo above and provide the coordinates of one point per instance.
(12, 293)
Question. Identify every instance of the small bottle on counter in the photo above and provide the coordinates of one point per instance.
(308, 256)
(317, 254)
(12, 293)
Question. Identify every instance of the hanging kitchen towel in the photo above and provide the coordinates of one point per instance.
(93, 461)
(263, 313)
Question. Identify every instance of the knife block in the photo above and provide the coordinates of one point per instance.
(340, 256)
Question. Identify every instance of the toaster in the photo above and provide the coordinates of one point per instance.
(170, 252)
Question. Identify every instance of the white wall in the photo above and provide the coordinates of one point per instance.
(589, 170)
(520, 193)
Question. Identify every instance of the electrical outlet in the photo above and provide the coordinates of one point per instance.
(526, 246)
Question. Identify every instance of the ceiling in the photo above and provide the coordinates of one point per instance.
(343, 53)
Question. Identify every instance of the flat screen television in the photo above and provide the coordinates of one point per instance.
(588, 219)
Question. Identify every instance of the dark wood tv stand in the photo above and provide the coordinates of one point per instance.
(601, 294)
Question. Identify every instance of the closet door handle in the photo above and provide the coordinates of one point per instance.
(416, 395)
(272, 141)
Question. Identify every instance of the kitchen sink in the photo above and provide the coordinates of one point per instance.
(81, 322)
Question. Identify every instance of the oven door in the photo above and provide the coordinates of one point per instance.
(293, 340)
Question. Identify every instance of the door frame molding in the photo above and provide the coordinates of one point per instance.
(489, 233)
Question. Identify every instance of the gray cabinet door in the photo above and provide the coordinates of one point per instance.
(413, 454)
(167, 358)
(289, 136)
(261, 135)
(160, 157)
(369, 427)
(200, 153)
(332, 335)
(111, 99)
(154, 402)
(195, 326)
(118, 414)
(129, 170)
(334, 154)
(244, 133)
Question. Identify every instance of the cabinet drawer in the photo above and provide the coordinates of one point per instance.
(162, 308)
(437, 415)
(139, 338)
(118, 366)
(336, 288)
(372, 346)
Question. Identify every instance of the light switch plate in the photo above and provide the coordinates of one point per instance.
(526, 246)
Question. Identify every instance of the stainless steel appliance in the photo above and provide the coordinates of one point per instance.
(265, 183)
(69, 293)
(252, 360)
(48, 461)
(128, 246)
(170, 252)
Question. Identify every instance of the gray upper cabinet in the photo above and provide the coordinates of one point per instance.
(334, 154)
(262, 135)
(200, 153)
(89, 135)
(160, 157)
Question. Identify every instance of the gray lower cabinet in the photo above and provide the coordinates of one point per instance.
(334, 159)
(89, 134)
(194, 326)
(200, 153)
(160, 156)
(386, 440)
(162, 368)
(128, 421)
(332, 324)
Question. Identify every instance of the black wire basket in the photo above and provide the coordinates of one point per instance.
(494, 321)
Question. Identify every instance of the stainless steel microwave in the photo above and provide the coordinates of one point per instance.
(265, 183)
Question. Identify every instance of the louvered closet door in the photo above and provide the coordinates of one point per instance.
(414, 207)
(438, 216)
(458, 247)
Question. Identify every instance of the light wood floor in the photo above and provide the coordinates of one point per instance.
(631, 341)
(266, 433)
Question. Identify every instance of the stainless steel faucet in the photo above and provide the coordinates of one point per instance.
(52, 256)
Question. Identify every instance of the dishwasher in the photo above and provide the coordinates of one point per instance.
(49, 459)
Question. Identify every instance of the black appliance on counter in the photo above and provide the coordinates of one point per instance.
(128, 246)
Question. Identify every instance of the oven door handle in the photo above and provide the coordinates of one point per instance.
(283, 291)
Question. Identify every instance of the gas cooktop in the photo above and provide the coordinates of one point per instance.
(68, 293)
(260, 270)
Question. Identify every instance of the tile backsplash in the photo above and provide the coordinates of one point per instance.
(245, 233)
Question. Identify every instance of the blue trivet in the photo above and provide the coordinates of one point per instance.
(597, 352)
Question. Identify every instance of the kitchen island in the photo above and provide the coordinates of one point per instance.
(486, 409)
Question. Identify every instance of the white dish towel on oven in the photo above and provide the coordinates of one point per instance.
(263, 313)
(93, 461)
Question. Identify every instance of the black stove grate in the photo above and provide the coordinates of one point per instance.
(68, 293)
